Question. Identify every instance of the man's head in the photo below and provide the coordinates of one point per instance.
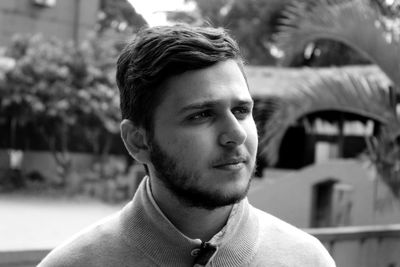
(187, 113)
(157, 53)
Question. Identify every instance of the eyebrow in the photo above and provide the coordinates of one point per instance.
(209, 104)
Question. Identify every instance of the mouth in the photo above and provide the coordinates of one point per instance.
(236, 163)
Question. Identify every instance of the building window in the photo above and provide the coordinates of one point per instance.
(325, 151)
(332, 204)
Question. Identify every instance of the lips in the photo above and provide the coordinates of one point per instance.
(230, 163)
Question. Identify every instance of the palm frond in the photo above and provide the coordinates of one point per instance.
(353, 23)
(339, 91)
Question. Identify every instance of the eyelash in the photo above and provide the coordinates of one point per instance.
(242, 110)
(239, 112)
(200, 115)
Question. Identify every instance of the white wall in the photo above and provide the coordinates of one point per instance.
(290, 195)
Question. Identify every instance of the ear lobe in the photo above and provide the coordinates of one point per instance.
(135, 140)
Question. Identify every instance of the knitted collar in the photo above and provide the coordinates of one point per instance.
(146, 228)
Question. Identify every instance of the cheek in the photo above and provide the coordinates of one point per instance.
(189, 147)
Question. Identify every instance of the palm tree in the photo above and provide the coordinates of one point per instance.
(360, 26)
(354, 23)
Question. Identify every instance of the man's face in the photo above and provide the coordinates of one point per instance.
(204, 142)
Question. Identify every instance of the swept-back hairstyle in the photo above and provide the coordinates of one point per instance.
(157, 53)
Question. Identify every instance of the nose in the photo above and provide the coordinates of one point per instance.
(233, 132)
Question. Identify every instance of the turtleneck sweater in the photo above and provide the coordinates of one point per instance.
(141, 235)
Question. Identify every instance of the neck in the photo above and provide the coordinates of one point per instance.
(194, 222)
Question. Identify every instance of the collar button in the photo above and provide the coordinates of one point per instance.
(195, 252)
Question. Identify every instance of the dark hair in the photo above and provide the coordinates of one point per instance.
(157, 53)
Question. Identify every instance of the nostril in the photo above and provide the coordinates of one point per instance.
(233, 138)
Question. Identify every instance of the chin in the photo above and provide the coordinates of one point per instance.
(229, 198)
(218, 196)
(234, 182)
(235, 189)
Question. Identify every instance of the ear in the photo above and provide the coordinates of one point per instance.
(135, 141)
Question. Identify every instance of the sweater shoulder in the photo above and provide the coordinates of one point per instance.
(278, 227)
(86, 248)
(289, 243)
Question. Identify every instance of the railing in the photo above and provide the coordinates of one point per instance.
(362, 246)
(23, 258)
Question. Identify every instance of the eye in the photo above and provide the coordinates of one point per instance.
(200, 116)
(241, 112)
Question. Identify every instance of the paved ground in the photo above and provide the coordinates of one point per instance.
(32, 222)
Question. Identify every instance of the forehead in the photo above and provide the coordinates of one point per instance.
(223, 82)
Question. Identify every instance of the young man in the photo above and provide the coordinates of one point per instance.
(187, 116)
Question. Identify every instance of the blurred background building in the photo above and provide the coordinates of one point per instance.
(67, 20)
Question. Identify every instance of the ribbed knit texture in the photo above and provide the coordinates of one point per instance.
(141, 235)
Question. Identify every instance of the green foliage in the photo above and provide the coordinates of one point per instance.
(385, 154)
(63, 93)
(120, 16)
(212, 11)
(192, 18)
(326, 90)
(375, 35)
(254, 22)
(354, 24)
(389, 9)
(55, 83)
(251, 22)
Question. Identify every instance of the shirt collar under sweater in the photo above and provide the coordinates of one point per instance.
(146, 228)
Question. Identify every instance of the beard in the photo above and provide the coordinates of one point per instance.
(186, 184)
